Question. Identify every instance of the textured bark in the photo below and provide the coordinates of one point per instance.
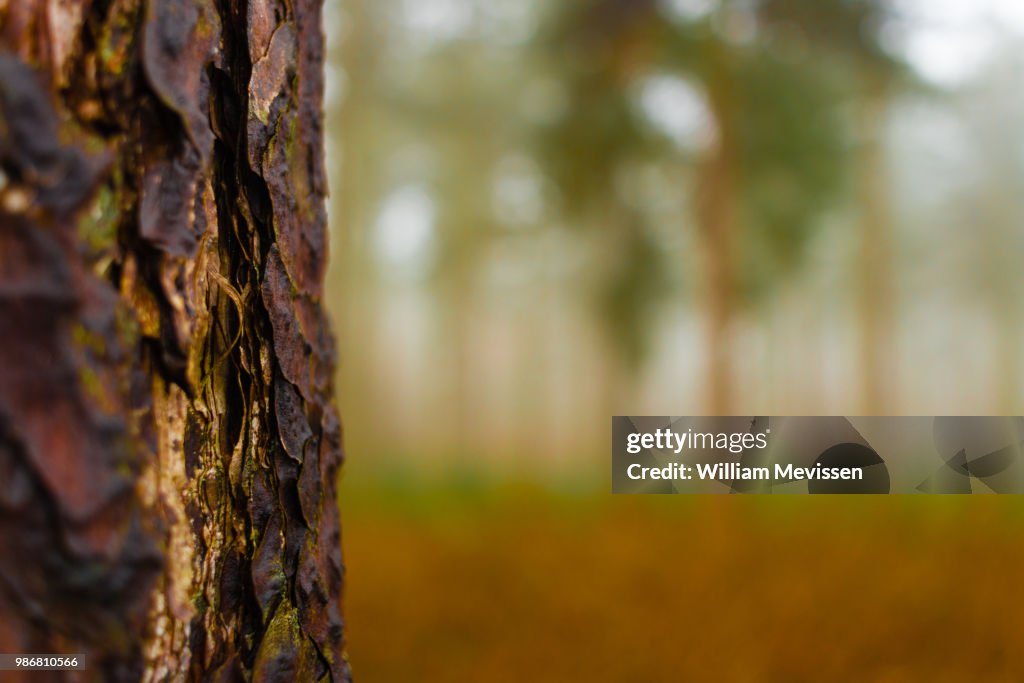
(168, 445)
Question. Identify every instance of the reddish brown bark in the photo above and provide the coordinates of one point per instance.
(167, 437)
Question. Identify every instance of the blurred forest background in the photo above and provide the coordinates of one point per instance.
(545, 213)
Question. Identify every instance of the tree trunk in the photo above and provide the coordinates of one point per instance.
(875, 270)
(352, 272)
(168, 445)
(717, 218)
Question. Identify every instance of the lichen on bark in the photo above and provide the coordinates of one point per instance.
(165, 396)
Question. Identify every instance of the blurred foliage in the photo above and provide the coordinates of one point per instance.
(851, 30)
(786, 107)
(793, 163)
(630, 290)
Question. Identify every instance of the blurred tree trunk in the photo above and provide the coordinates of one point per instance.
(168, 445)
(352, 270)
(717, 217)
(1009, 364)
(874, 268)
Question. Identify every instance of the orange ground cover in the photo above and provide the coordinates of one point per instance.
(513, 584)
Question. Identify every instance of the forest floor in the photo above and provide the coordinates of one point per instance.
(478, 580)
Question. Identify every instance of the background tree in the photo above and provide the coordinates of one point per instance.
(990, 210)
(167, 438)
(852, 33)
(774, 161)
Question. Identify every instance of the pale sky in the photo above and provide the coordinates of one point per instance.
(950, 40)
